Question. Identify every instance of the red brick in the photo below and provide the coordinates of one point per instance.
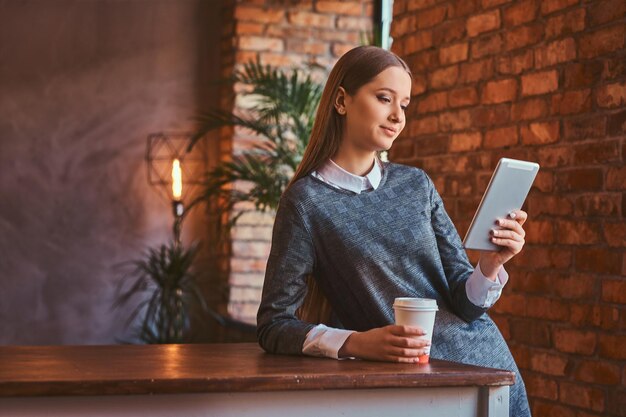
(247, 265)
(612, 346)
(614, 291)
(464, 142)
(544, 182)
(617, 400)
(433, 102)
(551, 6)
(582, 74)
(616, 125)
(492, 3)
(423, 126)
(542, 257)
(615, 236)
(571, 102)
(420, 4)
(307, 47)
(431, 17)
(418, 41)
(529, 331)
(550, 409)
(616, 179)
(565, 24)
(511, 304)
(530, 109)
(549, 363)
(502, 323)
(311, 19)
(602, 41)
(249, 28)
(601, 261)
(486, 45)
(398, 7)
(541, 386)
(465, 96)
(453, 53)
(499, 91)
(403, 25)
(463, 8)
(523, 36)
(556, 156)
(424, 60)
(577, 232)
(539, 231)
(600, 204)
(403, 150)
(585, 127)
(483, 23)
(580, 179)
(454, 121)
(597, 153)
(443, 77)
(549, 204)
(575, 341)
(539, 83)
(582, 396)
(546, 308)
(259, 43)
(501, 137)
(574, 286)
(540, 133)
(257, 14)
(611, 95)
(476, 71)
(490, 116)
(354, 23)
(353, 8)
(520, 12)
(555, 53)
(606, 11)
(516, 63)
(449, 31)
(339, 49)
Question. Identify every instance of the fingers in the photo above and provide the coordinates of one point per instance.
(511, 225)
(507, 234)
(401, 330)
(520, 216)
(514, 245)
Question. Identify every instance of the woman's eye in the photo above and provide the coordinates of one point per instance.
(385, 99)
(403, 107)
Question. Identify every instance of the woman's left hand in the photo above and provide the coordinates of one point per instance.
(510, 237)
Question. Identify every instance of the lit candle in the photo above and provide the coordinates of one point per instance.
(177, 180)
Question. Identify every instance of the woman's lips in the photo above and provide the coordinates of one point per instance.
(389, 131)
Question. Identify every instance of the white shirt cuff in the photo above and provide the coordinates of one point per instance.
(482, 291)
(325, 341)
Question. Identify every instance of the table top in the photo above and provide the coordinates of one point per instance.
(193, 368)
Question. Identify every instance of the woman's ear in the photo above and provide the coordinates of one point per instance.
(340, 101)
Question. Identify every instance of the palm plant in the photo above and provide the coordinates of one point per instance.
(166, 274)
(282, 113)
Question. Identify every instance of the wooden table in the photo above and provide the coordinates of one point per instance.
(236, 380)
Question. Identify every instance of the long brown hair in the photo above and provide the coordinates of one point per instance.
(354, 69)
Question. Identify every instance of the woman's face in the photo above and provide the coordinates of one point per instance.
(375, 113)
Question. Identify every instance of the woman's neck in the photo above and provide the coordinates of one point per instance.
(357, 163)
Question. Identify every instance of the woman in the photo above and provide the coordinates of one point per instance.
(358, 233)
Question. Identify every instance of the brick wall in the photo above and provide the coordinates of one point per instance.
(543, 81)
(282, 34)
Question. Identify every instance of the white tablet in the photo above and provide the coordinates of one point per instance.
(506, 192)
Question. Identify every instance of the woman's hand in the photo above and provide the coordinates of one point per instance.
(391, 343)
(510, 237)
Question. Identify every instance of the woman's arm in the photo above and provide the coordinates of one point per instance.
(291, 260)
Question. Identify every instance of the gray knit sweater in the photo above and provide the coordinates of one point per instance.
(367, 249)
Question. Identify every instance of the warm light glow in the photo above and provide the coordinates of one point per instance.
(177, 180)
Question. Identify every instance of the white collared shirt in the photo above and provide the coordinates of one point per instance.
(326, 341)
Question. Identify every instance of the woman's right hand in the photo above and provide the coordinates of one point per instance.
(392, 343)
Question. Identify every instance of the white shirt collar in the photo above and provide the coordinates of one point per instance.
(339, 177)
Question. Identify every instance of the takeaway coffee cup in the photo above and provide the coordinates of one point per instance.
(418, 312)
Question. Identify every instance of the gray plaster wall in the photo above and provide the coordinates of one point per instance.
(82, 83)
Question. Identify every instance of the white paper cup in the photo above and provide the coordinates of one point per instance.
(417, 312)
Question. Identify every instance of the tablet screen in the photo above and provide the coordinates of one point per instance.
(506, 192)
